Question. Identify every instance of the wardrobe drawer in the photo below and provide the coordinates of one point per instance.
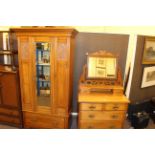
(8, 119)
(100, 124)
(93, 115)
(91, 106)
(9, 112)
(115, 106)
(32, 120)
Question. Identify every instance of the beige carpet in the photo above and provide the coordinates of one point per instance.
(74, 125)
(6, 127)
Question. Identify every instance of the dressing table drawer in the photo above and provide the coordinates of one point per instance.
(100, 124)
(91, 107)
(105, 115)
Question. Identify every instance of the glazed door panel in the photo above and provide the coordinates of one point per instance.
(42, 52)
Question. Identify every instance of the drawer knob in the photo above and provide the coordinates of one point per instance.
(91, 116)
(90, 127)
(92, 107)
(114, 116)
(34, 119)
(112, 127)
(115, 107)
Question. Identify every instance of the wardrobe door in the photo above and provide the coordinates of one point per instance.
(42, 54)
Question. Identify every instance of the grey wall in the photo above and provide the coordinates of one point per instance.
(138, 94)
(91, 42)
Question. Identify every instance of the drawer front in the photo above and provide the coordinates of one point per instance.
(9, 112)
(90, 106)
(7, 119)
(93, 115)
(100, 124)
(32, 120)
(115, 106)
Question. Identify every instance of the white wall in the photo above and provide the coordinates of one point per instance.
(4, 28)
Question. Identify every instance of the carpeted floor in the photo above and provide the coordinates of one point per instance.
(127, 125)
(7, 127)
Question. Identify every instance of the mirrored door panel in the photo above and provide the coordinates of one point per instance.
(43, 67)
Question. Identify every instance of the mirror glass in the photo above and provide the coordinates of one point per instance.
(43, 82)
(102, 67)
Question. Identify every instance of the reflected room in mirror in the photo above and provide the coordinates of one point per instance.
(101, 65)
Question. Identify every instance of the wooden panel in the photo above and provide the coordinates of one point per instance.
(24, 49)
(91, 106)
(26, 90)
(1, 97)
(9, 89)
(93, 115)
(61, 83)
(25, 73)
(100, 124)
(8, 119)
(62, 51)
(115, 106)
(32, 120)
(9, 112)
(62, 73)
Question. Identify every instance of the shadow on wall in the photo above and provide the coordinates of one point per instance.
(91, 42)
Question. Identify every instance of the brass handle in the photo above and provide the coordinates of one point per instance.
(114, 116)
(115, 107)
(92, 107)
(91, 116)
(112, 127)
(90, 127)
(1, 74)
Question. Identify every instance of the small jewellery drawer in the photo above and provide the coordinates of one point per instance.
(100, 124)
(115, 106)
(106, 115)
(90, 106)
